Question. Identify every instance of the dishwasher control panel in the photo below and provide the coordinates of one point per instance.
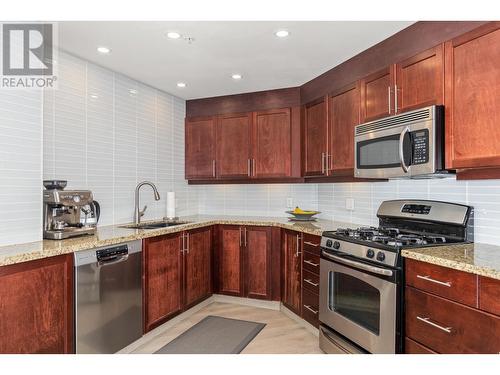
(112, 252)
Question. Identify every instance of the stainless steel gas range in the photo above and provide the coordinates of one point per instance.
(361, 272)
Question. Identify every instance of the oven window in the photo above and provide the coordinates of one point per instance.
(378, 153)
(355, 300)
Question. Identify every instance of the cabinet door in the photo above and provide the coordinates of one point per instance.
(472, 98)
(233, 145)
(344, 110)
(271, 143)
(230, 264)
(420, 80)
(163, 278)
(198, 263)
(292, 254)
(36, 306)
(315, 137)
(376, 95)
(257, 241)
(200, 148)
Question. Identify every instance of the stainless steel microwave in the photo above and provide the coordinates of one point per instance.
(408, 145)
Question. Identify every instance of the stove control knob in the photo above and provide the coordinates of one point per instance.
(329, 243)
(370, 253)
(336, 245)
(380, 256)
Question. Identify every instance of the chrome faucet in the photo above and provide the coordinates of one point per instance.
(139, 213)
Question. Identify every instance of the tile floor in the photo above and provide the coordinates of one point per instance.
(282, 335)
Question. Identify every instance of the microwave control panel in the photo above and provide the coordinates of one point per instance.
(420, 146)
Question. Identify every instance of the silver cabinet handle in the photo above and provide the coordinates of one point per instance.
(322, 163)
(311, 263)
(315, 312)
(311, 244)
(389, 98)
(253, 167)
(327, 168)
(240, 236)
(249, 168)
(362, 266)
(310, 282)
(213, 168)
(297, 252)
(183, 246)
(428, 321)
(187, 242)
(428, 278)
(395, 98)
(245, 233)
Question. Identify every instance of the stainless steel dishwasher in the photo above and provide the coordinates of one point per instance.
(108, 298)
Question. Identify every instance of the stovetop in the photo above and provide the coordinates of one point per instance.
(389, 238)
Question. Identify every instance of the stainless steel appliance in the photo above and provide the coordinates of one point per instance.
(108, 298)
(68, 213)
(408, 145)
(361, 272)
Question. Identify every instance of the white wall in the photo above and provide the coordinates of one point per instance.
(106, 132)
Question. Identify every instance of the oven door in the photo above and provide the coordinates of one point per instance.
(359, 301)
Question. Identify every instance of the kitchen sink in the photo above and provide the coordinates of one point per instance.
(155, 225)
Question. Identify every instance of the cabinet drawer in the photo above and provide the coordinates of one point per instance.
(310, 281)
(448, 327)
(445, 282)
(489, 295)
(310, 262)
(413, 347)
(312, 243)
(310, 307)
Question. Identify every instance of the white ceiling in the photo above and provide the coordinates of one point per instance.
(142, 51)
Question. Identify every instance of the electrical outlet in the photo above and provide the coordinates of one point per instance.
(289, 202)
(349, 204)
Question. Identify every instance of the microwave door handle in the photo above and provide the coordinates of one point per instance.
(401, 149)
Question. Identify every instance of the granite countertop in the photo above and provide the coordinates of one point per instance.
(477, 258)
(114, 234)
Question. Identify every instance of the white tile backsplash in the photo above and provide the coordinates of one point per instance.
(106, 132)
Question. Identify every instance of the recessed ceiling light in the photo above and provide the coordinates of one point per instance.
(181, 84)
(103, 50)
(94, 96)
(282, 33)
(173, 35)
(236, 76)
(132, 91)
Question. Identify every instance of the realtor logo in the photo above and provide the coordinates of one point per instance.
(27, 55)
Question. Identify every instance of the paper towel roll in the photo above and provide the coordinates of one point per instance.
(170, 205)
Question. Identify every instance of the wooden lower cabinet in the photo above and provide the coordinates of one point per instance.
(198, 270)
(413, 347)
(244, 261)
(292, 270)
(36, 306)
(177, 274)
(163, 278)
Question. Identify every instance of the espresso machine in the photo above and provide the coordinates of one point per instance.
(68, 213)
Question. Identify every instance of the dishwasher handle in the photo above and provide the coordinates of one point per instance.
(106, 261)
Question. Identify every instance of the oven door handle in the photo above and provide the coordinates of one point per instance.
(362, 266)
(401, 149)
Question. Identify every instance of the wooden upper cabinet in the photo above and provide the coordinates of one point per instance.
(315, 137)
(198, 265)
(292, 271)
(36, 306)
(472, 98)
(163, 278)
(230, 260)
(233, 145)
(420, 80)
(271, 143)
(344, 115)
(257, 242)
(376, 95)
(200, 148)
